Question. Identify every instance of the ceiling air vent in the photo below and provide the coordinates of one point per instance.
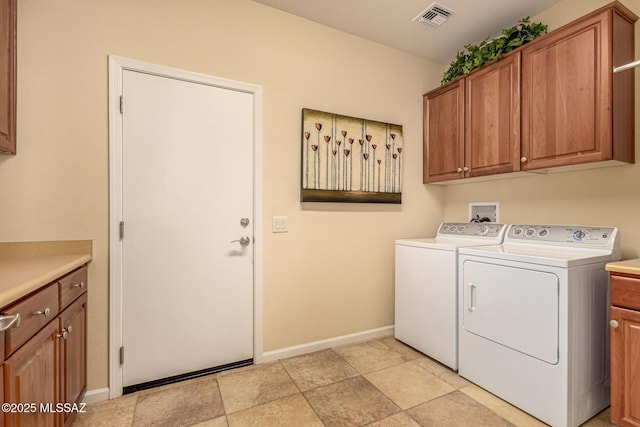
(434, 16)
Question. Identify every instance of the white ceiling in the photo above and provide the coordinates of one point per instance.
(390, 22)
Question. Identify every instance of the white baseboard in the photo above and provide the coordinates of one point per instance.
(309, 347)
(95, 396)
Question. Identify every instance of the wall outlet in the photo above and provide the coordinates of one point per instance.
(279, 224)
(484, 212)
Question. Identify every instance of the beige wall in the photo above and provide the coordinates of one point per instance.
(332, 274)
(606, 196)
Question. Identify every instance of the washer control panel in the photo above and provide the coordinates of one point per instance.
(561, 234)
(481, 229)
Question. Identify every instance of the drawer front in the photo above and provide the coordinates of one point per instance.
(625, 291)
(33, 316)
(72, 286)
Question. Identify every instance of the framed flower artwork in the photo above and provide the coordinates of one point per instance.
(348, 159)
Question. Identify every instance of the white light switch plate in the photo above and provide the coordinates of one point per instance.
(280, 224)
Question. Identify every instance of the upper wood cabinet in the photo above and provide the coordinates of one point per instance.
(574, 109)
(472, 125)
(443, 157)
(8, 19)
(553, 102)
(492, 122)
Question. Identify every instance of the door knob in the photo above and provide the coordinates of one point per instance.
(244, 240)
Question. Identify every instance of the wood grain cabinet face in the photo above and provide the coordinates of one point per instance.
(492, 121)
(569, 95)
(625, 349)
(74, 352)
(8, 14)
(32, 376)
(443, 150)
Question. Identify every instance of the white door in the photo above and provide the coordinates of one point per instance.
(187, 183)
(514, 307)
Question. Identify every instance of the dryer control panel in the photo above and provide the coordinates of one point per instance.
(563, 235)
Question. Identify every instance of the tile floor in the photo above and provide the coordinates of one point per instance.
(377, 383)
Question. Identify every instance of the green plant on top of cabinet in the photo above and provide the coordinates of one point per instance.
(8, 21)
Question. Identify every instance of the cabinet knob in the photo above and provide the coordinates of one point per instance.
(63, 335)
(79, 285)
(523, 160)
(459, 170)
(614, 323)
(466, 169)
(46, 312)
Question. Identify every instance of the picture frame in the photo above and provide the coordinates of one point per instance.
(349, 159)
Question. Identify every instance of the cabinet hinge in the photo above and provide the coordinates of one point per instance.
(121, 230)
(121, 104)
(121, 355)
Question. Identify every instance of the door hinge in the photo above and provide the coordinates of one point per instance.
(121, 104)
(121, 230)
(121, 355)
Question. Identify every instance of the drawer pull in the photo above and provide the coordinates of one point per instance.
(45, 313)
(79, 285)
(9, 321)
(614, 323)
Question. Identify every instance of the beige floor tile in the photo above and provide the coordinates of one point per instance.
(400, 419)
(407, 352)
(217, 422)
(603, 419)
(500, 407)
(251, 387)
(352, 402)
(115, 412)
(408, 385)
(456, 409)
(318, 369)
(184, 405)
(291, 411)
(372, 355)
(442, 372)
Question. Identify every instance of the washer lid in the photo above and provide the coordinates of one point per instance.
(542, 255)
(445, 244)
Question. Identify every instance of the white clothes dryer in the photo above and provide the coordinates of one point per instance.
(426, 315)
(533, 326)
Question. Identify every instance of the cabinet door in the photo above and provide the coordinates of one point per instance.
(32, 376)
(492, 122)
(443, 155)
(625, 367)
(8, 76)
(566, 95)
(74, 351)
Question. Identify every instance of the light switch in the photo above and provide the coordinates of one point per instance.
(279, 224)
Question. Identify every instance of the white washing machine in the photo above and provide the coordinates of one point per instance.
(533, 325)
(426, 314)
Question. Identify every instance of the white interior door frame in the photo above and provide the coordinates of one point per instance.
(117, 65)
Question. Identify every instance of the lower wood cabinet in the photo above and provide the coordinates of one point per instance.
(45, 372)
(73, 351)
(32, 377)
(625, 351)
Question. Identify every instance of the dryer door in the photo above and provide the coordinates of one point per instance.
(514, 307)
